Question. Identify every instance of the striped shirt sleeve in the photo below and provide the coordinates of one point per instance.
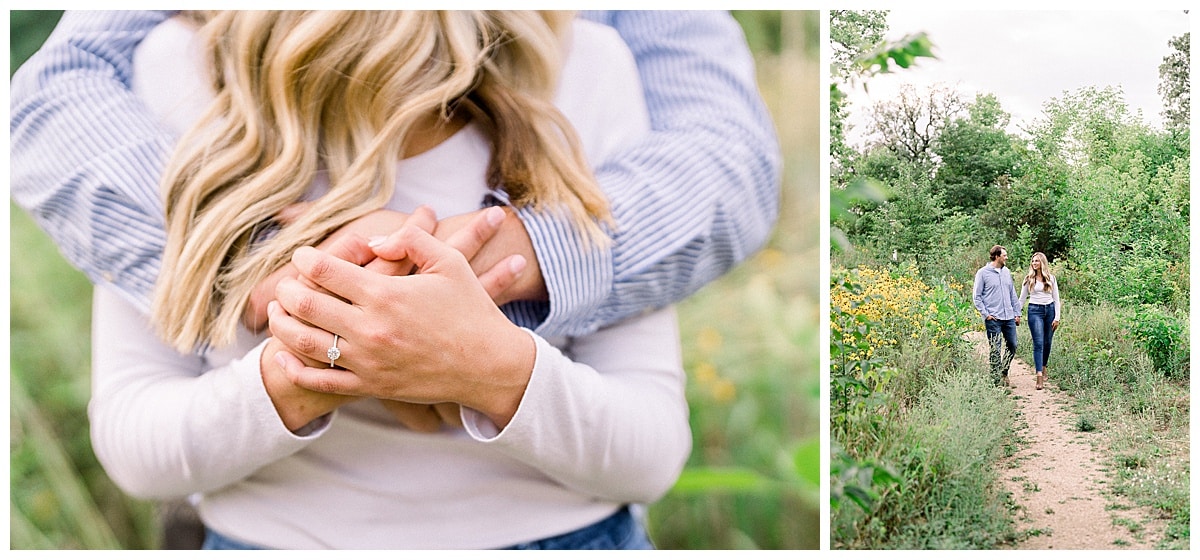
(86, 155)
(699, 194)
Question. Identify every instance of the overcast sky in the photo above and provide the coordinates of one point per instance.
(1026, 58)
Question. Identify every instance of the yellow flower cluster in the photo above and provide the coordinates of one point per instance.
(901, 304)
(708, 342)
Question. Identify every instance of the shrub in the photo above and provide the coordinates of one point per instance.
(1162, 337)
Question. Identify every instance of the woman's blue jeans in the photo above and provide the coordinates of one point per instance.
(1040, 319)
(619, 531)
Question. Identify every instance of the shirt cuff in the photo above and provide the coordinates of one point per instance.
(578, 275)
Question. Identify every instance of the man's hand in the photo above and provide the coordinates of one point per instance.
(510, 239)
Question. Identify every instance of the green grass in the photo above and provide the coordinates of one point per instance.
(944, 446)
(60, 497)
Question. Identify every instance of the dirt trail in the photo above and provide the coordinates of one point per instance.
(1056, 478)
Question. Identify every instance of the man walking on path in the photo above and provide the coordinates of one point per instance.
(996, 301)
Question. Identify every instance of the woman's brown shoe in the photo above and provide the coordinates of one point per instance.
(1041, 379)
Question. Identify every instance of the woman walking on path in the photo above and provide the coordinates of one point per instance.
(1044, 310)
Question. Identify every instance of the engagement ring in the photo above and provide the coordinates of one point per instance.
(333, 353)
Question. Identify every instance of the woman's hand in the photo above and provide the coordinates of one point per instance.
(296, 406)
(432, 337)
(1054, 325)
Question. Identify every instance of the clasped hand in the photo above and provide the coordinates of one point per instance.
(417, 328)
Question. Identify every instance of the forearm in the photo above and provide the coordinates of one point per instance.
(87, 155)
(163, 425)
(617, 431)
(691, 199)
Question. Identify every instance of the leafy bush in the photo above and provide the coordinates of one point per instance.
(1162, 337)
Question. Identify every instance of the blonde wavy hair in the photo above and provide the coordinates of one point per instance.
(1043, 274)
(340, 92)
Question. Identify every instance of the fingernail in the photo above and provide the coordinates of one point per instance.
(516, 264)
(279, 360)
(375, 241)
(494, 216)
(272, 306)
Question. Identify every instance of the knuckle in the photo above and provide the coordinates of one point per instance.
(321, 268)
(380, 338)
(306, 305)
(307, 344)
(324, 384)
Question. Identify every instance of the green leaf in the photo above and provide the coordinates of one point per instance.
(864, 498)
(702, 480)
(883, 475)
(807, 459)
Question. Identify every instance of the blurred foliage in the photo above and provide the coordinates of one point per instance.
(751, 352)
(750, 343)
(27, 30)
(767, 31)
(852, 33)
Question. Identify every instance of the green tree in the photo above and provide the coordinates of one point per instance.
(1080, 127)
(851, 33)
(1175, 85)
(1118, 198)
(977, 155)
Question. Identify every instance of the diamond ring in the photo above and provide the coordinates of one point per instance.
(333, 353)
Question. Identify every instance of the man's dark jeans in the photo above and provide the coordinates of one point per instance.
(998, 330)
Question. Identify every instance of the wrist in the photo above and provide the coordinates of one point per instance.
(530, 286)
(509, 366)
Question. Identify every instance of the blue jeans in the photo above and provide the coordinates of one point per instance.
(1040, 318)
(998, 330)
(619, 531)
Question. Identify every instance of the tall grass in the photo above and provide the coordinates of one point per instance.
(60, 496)
(935, 422)
(750, 345)
(944, 450)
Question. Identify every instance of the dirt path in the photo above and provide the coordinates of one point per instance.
(1057, 478)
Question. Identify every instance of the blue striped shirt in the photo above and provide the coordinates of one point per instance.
(995, 294)
(698, 195)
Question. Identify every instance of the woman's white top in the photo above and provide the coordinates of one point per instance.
(602, 422)
(1041, 295)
